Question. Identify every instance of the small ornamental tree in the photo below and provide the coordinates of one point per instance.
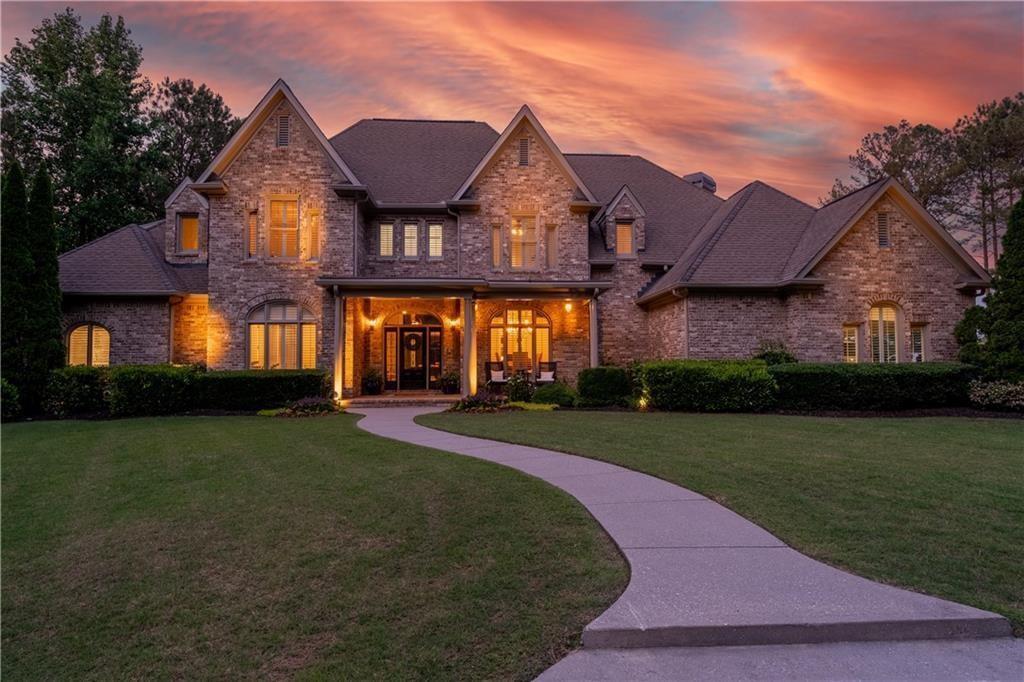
(993, 337)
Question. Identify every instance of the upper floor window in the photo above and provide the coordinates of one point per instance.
(284, 228)
(882, 323)
(386, 239)
(624, 238)
(884, 238)
(282, 335)
(850, 343)
(188, 233)
(523, 243)
(313, 234)
(524, 151)
(411, 240)
(435, 240)
(551, 246)
(284, 131)
(89, 344)
(917, 343)
(252, 237)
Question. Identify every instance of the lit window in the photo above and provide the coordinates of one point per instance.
(882, 329)
(411, 240)
(282, 335)
(524, 151)
(386, 234)
(521, 338)
(284, 131)
(313, 235)
(188, 233)
(624, 238)
(435, 236)
(89, 344)
(551, 246)
(883, 230)
(850, 344)
(253, 236)
(284, 228)
(496, 246)
(523, 243)
(917, 349)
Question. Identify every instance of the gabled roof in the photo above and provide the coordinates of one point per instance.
(525, 114)
(675, 209)
(128, 262)
(413, 162)
(278, 92)
(763, 238)
(624, 193)
(181, 188)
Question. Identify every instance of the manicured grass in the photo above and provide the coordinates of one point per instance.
(240, 547)
(932, 504)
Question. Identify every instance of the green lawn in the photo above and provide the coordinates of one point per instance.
(269, 548)
(933, 504)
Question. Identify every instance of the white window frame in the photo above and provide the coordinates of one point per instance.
(897, 352)
(415, 242)
(390, 225)
(523, 244)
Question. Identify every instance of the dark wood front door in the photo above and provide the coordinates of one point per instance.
(412, 358)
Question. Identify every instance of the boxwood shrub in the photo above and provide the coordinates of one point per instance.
(257, 390)
(603, 386)
(706, 385)
(820, 386)
(76, 392)
(555, 394)
(137, 390)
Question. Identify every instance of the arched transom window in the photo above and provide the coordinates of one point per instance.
(521, 337)
(282, 335)
(883, 334)
(89, 344)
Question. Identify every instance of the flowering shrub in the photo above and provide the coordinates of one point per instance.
(998, 395)
(520, 387)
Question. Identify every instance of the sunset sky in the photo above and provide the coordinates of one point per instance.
(777, 92)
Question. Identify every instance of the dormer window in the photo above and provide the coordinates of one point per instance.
(524, 151)
(884, 240)
(188, 233)
(284, 130)
(624, 239)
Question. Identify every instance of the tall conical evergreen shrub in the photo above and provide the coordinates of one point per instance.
(16, 270)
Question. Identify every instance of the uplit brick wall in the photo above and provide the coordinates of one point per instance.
(139, 327)
(666, 327)
(238, 284)
(189, 336)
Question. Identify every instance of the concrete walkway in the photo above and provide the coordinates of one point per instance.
(703, 576)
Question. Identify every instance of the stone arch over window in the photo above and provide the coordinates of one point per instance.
(885, 332)
(521, 337)
(88, 343)
(281, 334)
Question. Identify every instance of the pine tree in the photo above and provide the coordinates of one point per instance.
(16, 270)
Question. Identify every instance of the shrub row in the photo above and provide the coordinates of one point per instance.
(820, 386)
(137, 390)
(706, 385)
(998, 395)
(603, 387)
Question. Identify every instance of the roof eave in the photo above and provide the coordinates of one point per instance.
(800, 284)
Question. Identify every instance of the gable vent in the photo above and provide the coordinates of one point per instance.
(284, 130)
(883, 230)
(524, 151)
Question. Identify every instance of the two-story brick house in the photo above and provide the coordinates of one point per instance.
(425, 247)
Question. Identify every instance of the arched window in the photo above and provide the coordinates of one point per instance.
(282, 335)
(521, 337)
(89, 344)
(883, 333)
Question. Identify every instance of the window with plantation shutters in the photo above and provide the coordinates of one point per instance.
(435, 241)
(283, 240)
(252, 237)
(284, 131)
(523, 243)
(520, 337)
(884, 238)
(624, 238)
(89, 344)
(386, 239)
(882, 330)
(524, 151)
(411, 240)
(282, 335)
(850, 343)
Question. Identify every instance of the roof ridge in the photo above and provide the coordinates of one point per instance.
(424, 120)
(850, 194)
(706, 247)
(779, 191)
(600, 154)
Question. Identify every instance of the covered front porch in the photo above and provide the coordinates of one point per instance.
(438, 340)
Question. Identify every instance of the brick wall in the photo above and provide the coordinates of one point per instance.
(188, 202)
(238, 284)
(139, 327)
(541, 189)
(666, 329)
(189, 335)
(731, 325)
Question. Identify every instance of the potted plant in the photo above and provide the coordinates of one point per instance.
(373, 382)
(451, 382)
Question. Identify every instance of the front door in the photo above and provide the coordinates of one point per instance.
(412, 358)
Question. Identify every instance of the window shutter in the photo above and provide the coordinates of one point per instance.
(435, 236)
(412, 239)
(387, 239)
(284, 130)
(524, 151)
(496, 246)
(313, 236)
(551, 247)
(883, 230)
(253, 236)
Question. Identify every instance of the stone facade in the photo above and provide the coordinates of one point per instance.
(139, 327)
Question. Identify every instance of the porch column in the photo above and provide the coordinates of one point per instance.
(339, 344)
(594, 357)
(468, 346)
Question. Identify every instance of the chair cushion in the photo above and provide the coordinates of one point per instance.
(497, 375)
(547, 376)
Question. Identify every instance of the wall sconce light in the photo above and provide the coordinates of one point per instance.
(453, 322)
(568, 307)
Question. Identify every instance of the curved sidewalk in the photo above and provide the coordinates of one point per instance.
(702, 575)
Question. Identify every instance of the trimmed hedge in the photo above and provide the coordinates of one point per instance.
(257, 390)
(76, 392)
(137, 390)
(820, 386)
(555, 394)
(603, 386)
(707, 385)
